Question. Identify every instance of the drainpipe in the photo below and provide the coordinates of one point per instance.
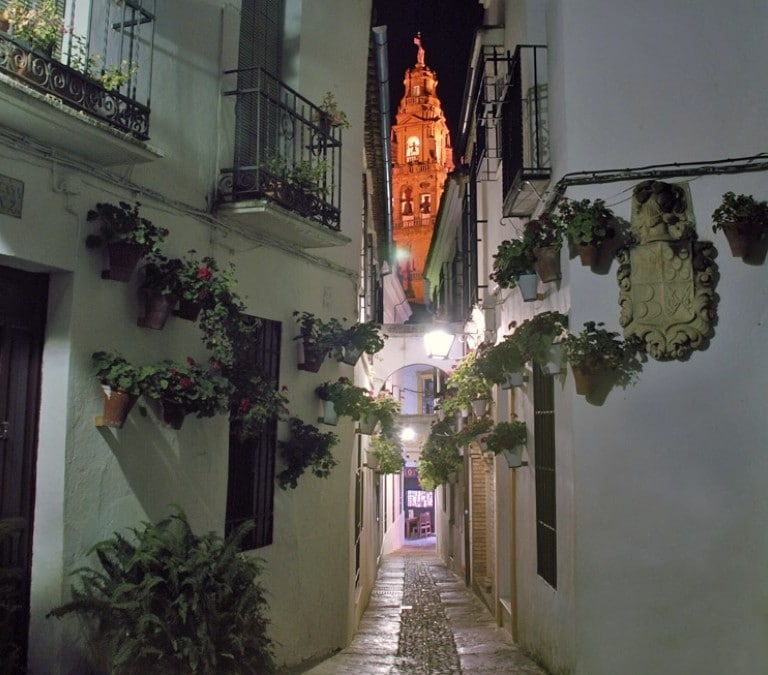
(380, 37)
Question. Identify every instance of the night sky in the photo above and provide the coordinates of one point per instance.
(447, 29)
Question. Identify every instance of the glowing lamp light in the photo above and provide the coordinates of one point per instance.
(438, 344)
(407, 434)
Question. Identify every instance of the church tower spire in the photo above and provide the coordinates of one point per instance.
(422, 158)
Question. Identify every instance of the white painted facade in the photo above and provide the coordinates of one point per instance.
(660, 486)
(91, 481)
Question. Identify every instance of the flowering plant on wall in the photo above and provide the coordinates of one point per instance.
(256, 401)
(40, 24)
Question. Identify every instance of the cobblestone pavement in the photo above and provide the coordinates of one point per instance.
(422, 620)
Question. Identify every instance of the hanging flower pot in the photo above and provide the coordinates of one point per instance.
(479, 406)
(330, 416)
(311, 356)
(589, 254)
(514, 457)
(528, 285)
(741, 237)
(516, 379)
(554, 359)
(117, 406)
(173, 414)
(188, 310)
(582, 379)
(157, 309)
(547, 263)
(368, 424)
(351, 356)
(123, 258)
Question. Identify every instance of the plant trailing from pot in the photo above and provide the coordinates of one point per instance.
(161, 290)
(588, 225)
(385, 408)
(39, 24)
(330, 112)
(467, 384)
(127, 236)
(440, 456)
(388, 454)
(505, 436)
(306, 448)
(255, 401)
(318, 339)
(347, 398)
(535, 336)
(545, 237)
(187, 388)
(743, 219)
(597, 350)
(473, 429)
(122, 383)
(513, 258)
(166, 600)
(362, 337)
(116, 75)
(497, 362)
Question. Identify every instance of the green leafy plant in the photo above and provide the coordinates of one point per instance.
(472, 430)
(466, 384)
(596, 349)
(735, 209)
(169, 601)
(494, 362)
(256, 401)
(116, 75)
(385, 408)
(587, 222)
(330, 108)
(348, 399)
(115, 371)
(39, 24)
(388, 454)
(440, 456)
(536, 335)
(364, 336)
(306, 448)
(123, 223)
(512, 259)
(325, 336)
(505, 436)
(546, 230)
(188, 385)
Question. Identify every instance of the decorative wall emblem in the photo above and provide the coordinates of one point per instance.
(666, 276)
(11, 196)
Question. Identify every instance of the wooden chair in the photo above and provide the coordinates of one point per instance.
(425, 524)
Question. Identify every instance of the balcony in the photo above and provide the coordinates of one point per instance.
(526, 169)
(66, 99)
(285, 181)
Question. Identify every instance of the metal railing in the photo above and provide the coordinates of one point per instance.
(101, 66)
(287, 150)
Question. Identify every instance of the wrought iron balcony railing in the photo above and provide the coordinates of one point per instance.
(102, 76)
(287, 150)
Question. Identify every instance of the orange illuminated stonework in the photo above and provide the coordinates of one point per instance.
(422, 158)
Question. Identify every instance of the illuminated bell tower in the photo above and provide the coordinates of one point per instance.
(422, 158)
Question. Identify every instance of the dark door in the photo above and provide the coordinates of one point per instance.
(23, 299)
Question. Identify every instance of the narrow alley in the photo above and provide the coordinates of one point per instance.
(423, 620)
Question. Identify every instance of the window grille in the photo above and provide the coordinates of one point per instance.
(544, 450)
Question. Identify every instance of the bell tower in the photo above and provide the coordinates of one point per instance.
(422, 158)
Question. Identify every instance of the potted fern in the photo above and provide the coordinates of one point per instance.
(386, 454)
(588, 225)
(743, 219)
(166, 600)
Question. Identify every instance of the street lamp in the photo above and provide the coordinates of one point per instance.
(438, 344)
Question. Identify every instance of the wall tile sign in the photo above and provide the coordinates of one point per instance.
(11, 196)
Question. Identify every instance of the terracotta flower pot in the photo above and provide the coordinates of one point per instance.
(589, 254)
(582, 379)
(741, 237)
(117, 406)
(123, 258)
(157, 309)
(547, 263)
(173, 414)
(188, 310)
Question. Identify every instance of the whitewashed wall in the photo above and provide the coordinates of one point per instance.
(91, 482)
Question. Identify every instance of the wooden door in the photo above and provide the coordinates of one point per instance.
(23, 299)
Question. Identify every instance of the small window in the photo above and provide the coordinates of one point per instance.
(412, 148)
